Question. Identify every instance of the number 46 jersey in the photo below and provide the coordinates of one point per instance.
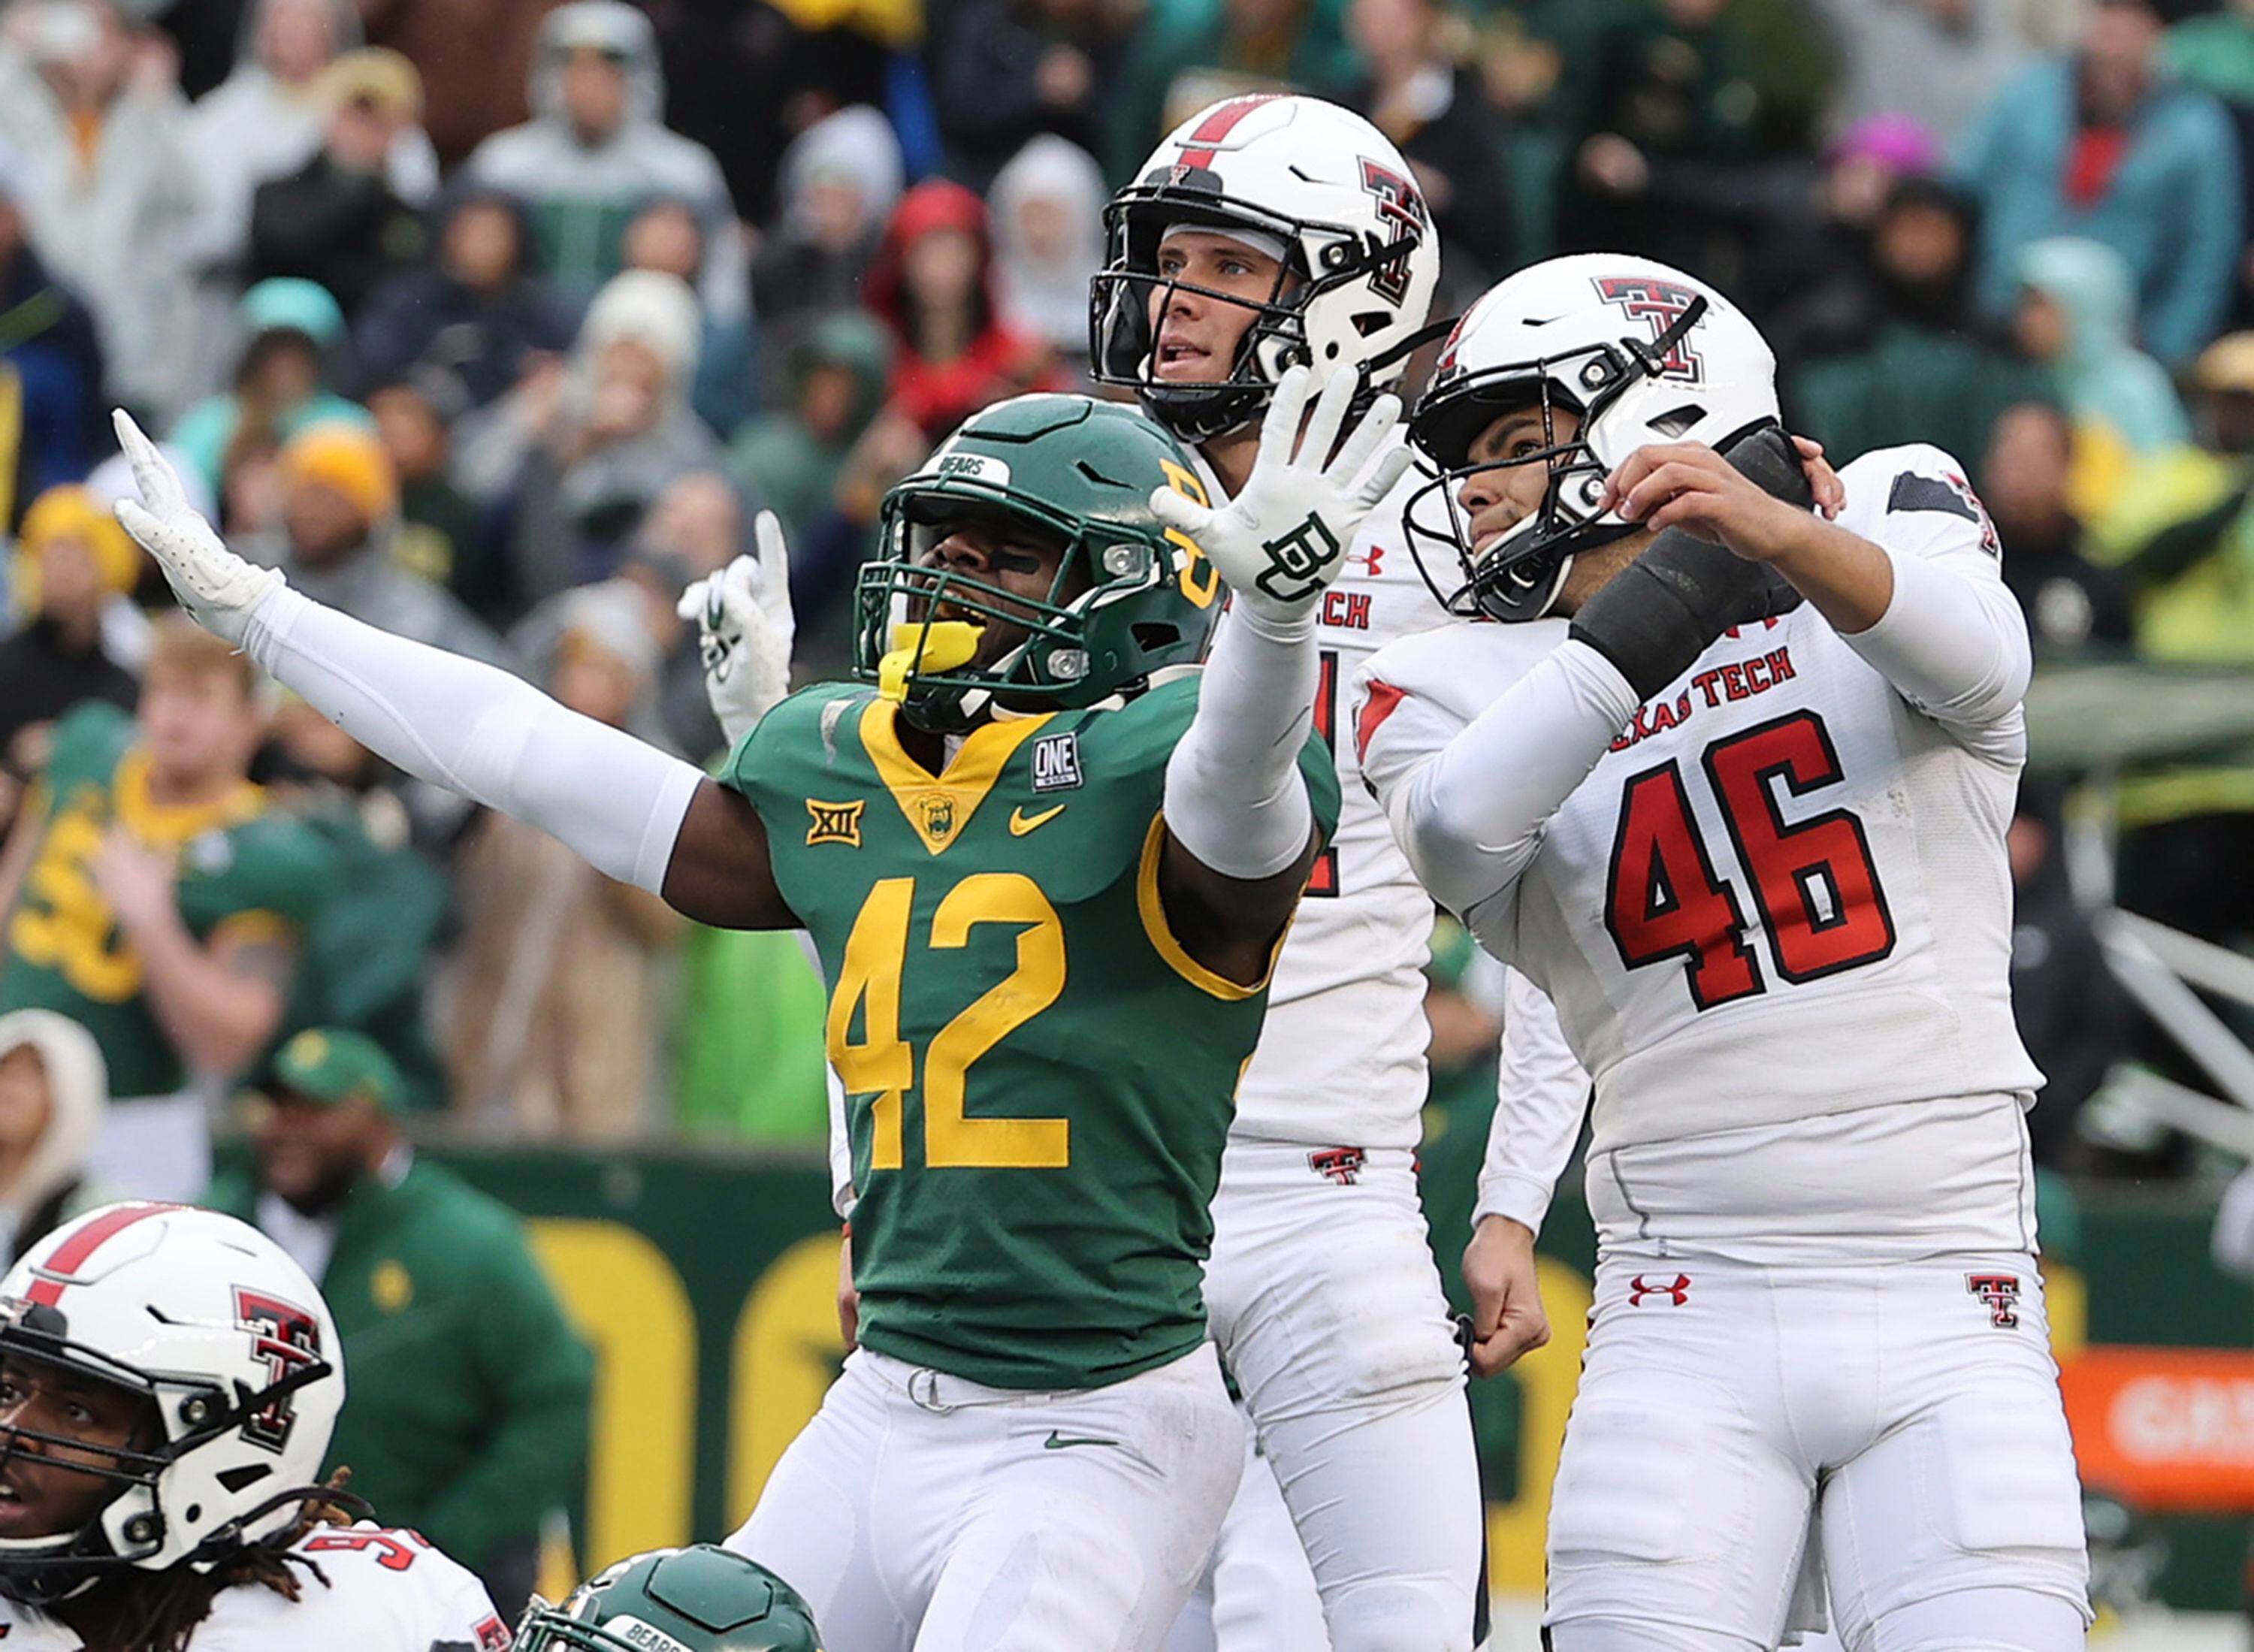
(1783, 894)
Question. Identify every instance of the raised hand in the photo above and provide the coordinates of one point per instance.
(214, 585)
(744, 629)
(1281, 541)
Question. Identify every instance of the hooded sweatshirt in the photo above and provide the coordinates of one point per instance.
(781, 465)
(582, 196)
(1000, 362)
(50, 1188)
(2123, 400)
(1047, 295)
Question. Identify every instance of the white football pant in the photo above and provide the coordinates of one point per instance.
(920, 1511)
(1258, 1594)
(1898, 1424)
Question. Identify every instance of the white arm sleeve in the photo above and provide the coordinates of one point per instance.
(842, 1194)
(1233, 797)
(479, 731)
(1471, 818)
(1953, 639)
(1540, 1097)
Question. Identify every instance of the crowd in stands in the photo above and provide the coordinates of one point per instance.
(495, 322)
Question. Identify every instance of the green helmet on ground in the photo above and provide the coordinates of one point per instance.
(699, 1599)
(1130, 596)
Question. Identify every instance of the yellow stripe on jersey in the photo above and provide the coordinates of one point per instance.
(1162, 934)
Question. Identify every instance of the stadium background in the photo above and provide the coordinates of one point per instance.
(2013, 227)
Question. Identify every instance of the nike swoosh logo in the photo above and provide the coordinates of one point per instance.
(1020, 823)
(1057, 1442)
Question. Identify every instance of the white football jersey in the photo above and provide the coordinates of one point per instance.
(386, 1591)
(1782, 892)
(1341, 1060)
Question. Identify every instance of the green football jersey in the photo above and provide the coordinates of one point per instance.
(241, 869)
(1039, 1079)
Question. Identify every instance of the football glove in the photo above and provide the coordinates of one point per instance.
(1281, 541)
(219, 588)
(745, 630)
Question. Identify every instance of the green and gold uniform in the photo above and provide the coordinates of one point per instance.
(241, 870)
(1039, 1079)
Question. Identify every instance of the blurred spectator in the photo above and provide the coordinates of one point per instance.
(696, 526)
(1186, 56)
(471, 1392)
(840, 180)
(2097, 144)
(1938, 62)
(1006, 71)
(2070, 602)
(340, 518)
(2073, 1016)
(666, 236)
(475, 57)
(2076, 316)
(474, 313)
(53, 1096)
(267, 121)
(1450, 135)
(440, 536)
(932, 283)
(158, 901)
(577, 451)
(2182, 535)
(1918, 367)
(554, 1019)
(338, 221)
(596, 152)
(1048, 205)
(71, 557)
(50, 366)
(278, 383)
(107, 183)
(1654, 80)
(2215, 52)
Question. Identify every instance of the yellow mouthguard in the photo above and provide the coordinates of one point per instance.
(935, 645)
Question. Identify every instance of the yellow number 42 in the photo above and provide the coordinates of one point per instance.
(883, 1064)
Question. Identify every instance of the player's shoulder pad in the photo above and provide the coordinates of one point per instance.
(1906, 488)
(400, 1581)
(1142, 733)
(1460, 667)
(803, 725)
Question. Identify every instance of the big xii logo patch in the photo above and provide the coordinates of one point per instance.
(1056, 761)
(835, 822)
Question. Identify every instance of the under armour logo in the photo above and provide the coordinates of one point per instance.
(1341, 1164)
(1298, 561)
(1675, 1290)
(2001, 1292)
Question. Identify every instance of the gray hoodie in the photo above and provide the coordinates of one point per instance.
(78, 1086)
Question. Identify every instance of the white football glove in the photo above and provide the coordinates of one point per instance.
(1281, 541)
(215, 586)
(745, 630)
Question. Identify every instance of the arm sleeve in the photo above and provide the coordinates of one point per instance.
(1233, 797)
(842, 1194)
(1953, 641)
(1540, 1097)
(479, 731)
(1471, 814)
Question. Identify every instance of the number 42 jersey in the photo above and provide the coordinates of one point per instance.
(1783, 894)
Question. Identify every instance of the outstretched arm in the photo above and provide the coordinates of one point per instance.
(1241, 830)
(637, 814)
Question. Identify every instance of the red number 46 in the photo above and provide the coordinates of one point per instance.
(1812, 880)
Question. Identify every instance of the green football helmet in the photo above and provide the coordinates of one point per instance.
(699, 1599)
(1131, 596)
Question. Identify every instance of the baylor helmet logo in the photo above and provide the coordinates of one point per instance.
(835, 822)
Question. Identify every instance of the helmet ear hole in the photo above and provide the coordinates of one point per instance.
(1675, 421)
(1367, 322)
(1151, 636)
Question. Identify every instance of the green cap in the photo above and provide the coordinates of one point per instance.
(329, 1064)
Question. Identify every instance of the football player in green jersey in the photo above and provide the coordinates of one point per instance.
(699, 1599)
(1048, 884)
(149, 894)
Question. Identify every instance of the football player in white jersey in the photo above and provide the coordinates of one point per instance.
(1744, 826)
(1264, 231)
(169, 1380)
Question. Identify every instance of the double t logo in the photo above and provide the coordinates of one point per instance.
(1298, 561)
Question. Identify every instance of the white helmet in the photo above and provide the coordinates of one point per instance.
(234, 1350)
(1643, 353)
(1356, 235)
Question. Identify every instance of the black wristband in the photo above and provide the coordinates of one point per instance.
(1662, 611)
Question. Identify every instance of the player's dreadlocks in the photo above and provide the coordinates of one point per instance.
(157, 1610)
